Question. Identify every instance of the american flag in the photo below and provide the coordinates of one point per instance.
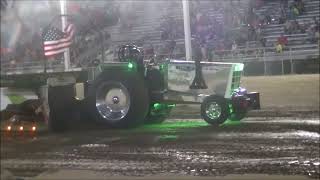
(55, 41)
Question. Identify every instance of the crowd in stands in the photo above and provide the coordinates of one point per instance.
(17, 40)
(231, 28)
(313, 31)
(292, 26)
(21, 38)
(215, 37)
(218, 33)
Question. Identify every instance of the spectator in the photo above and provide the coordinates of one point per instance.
(234, 48)
(317, 36)
(297, 28)
(168, 28)
(258, 33)
(267, 19)
(194, 8)
(37, 46)
(310, 34)
(220, 48)
(313, 33)
(11, 29)
(302, 28)
(284, 3)
(293, 27)
(295, 11)
(278, 48)
(251, 33)
(164, 35)
(287, 27)
(282, 41)
(126, 18)
(172, 44)
(202, 33)
(297, 8)
(315, 22)
(300, 6)
(148, 51)
(283, 15)
(263, 41)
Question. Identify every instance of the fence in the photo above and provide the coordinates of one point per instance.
(266, 57)
(261, 60)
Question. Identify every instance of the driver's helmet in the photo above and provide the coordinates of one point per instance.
(130, 53)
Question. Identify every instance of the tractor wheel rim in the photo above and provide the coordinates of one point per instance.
(213, 110)
(113, 102)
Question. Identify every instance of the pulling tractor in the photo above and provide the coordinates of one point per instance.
(131, 92)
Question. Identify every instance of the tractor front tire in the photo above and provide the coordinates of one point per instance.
(214, 110)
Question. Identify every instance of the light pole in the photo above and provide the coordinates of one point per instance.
(187, 31)
(63, 12)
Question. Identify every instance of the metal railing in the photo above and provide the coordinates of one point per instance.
(246, 55)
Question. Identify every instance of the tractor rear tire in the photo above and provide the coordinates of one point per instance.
(119, 99)
(61, 103)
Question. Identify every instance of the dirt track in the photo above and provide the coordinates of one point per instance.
(276, 146)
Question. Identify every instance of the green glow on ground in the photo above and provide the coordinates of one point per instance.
(230, 123)
(169, 137)
(172, 126)
(16, 99)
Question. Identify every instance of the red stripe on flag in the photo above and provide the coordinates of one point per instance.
(58, 46)
(57, 51)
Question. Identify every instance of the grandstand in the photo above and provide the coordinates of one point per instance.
(146, 27)
(298, 47)
(297, 42)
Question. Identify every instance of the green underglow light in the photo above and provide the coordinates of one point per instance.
(16, 99)
(157, 106)
(171, 105)
(161, 67)
(239, 67)
(230, 123)
(230, 108)
(130, 65)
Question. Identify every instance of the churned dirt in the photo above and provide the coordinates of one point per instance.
(189, 147)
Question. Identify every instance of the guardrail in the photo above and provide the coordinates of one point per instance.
(249, 55)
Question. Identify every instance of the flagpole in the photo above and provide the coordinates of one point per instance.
(187, 31)
(63, 9)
